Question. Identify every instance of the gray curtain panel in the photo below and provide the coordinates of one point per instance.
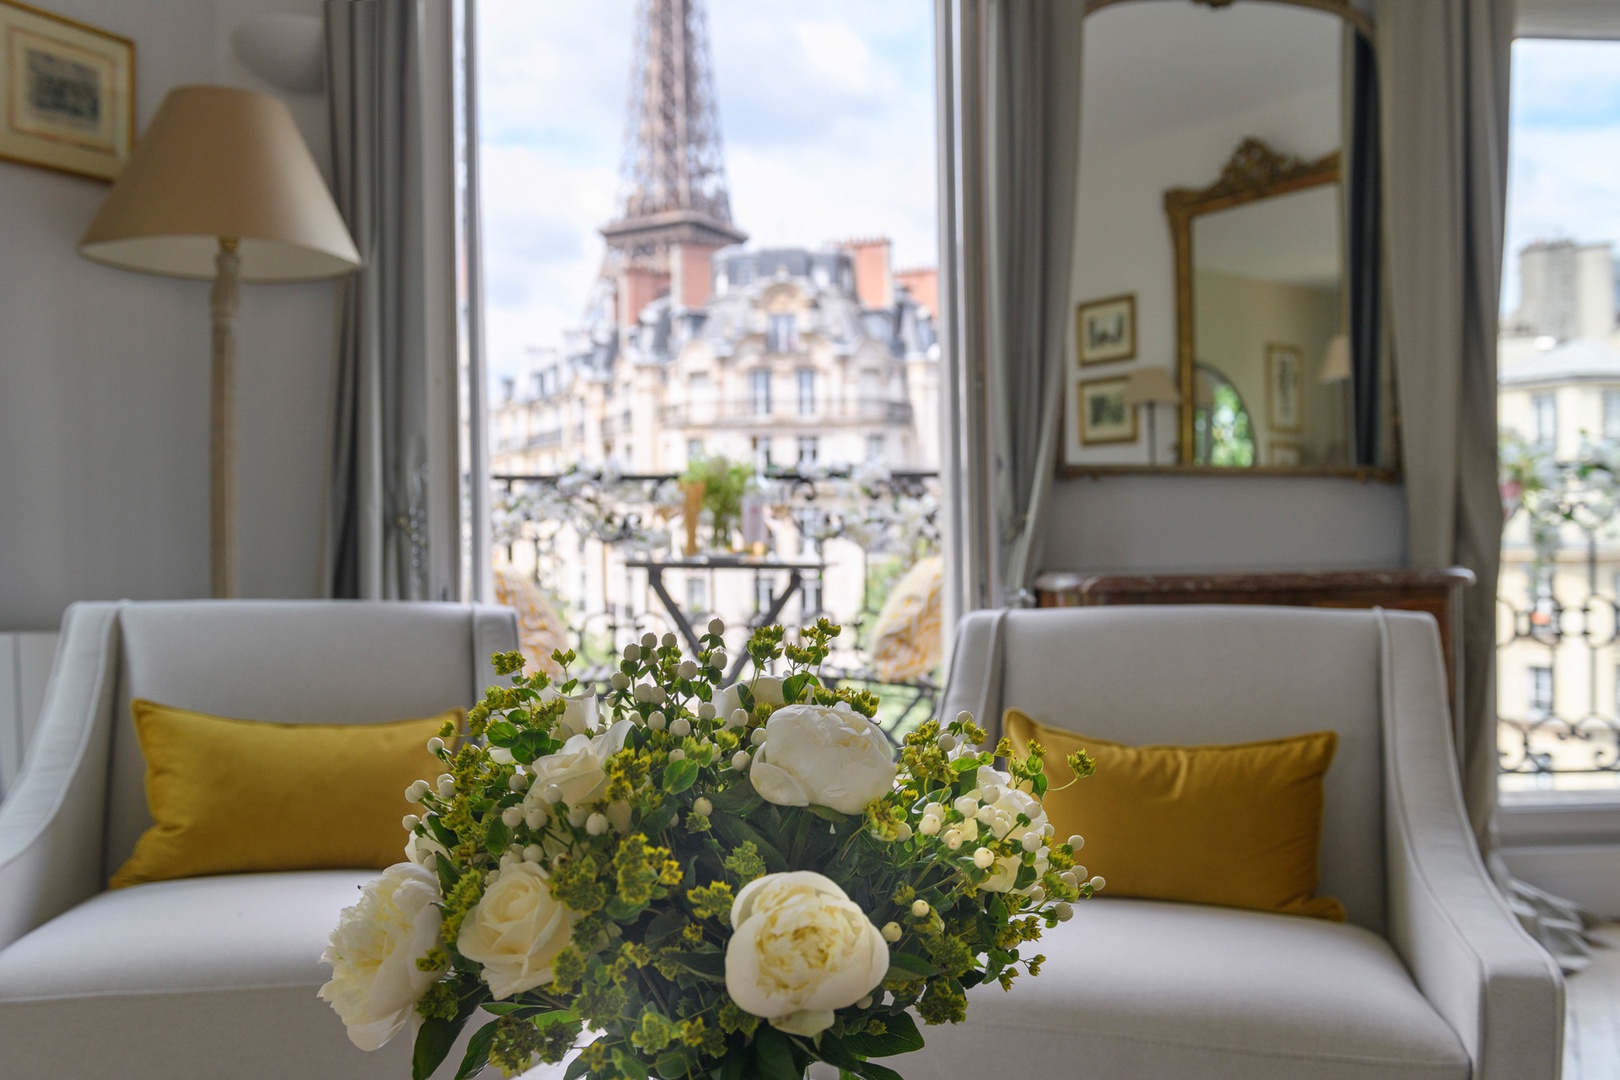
(1444, 67)
(1020, 78)
(377, 476)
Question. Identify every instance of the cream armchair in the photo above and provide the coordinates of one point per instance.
(1431, 978)
(207, 976)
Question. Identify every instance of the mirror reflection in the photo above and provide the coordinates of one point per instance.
(1226, 301)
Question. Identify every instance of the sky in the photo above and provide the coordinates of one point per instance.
(827, 119)
(1564, 149)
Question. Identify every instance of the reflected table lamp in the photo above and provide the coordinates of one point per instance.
(1151, 387)
(222, 187)
(1336, 372)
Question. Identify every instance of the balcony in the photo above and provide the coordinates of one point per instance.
(606, 549)
(743, 412)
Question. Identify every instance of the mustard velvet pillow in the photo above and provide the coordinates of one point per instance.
(1239, 826)
(236, 796)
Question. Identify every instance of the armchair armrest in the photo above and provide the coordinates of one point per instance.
(1500, 992)
(52, 824)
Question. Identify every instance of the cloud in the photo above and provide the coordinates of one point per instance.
(827, 118)
(1564, 169)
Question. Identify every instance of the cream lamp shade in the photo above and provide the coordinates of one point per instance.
(1336, 360)
(1151, 386)
(221, 163)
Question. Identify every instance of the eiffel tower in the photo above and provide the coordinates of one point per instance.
(674, 171)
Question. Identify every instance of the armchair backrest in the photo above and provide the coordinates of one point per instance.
(330, 662)
(1198, 675)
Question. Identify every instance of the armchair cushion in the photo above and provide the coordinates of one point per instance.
(1238, 825)
(1148, 988)
(234, 796)
(184, 978)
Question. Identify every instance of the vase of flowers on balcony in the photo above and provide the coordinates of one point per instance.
(723, 483)
(699, 882)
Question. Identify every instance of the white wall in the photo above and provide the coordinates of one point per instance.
(104, 375)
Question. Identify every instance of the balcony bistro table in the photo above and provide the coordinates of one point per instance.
(796, 569)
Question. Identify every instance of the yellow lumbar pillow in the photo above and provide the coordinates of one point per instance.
(1239, 826)
(235, 796)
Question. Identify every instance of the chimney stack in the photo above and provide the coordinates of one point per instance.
(874, 283)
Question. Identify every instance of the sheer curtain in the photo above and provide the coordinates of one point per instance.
(1010, 122)
(1444, 67)
(392, 489)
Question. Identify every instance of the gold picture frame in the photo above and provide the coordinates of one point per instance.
(67, 93)
(1105, 330)
(1285, 404)
(1103, 416)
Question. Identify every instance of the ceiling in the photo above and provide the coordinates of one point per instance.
(1155, 66)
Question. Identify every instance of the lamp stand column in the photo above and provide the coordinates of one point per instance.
(223, 302)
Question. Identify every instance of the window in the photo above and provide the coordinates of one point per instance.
(697, 596)
(810, 598)
(1539, 692)
(1611, 414)
(810, 522)
(759, 392)
(761, 452)
(782, 334)
(764, 593)
(809, 451)
(1544, 420)
(875, 448)
(694, 449)
(807, 392)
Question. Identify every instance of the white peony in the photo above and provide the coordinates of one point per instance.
(800, 949)
(830, 756)
(767, 691)
(578, 715)
(516, 930)
(1011, 802)
(424, 849)
(578, 770)
(374, 949)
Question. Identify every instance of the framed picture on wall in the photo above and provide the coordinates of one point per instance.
(1283, 452)
(1285, 406)
(68, 93)
(1106, 330)
(1104, 416)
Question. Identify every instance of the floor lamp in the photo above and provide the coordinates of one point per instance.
(1151, 387)
(222, 187)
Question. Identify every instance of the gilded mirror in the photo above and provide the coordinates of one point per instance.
(1227, 249)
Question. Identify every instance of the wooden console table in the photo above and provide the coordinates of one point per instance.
(1438, 592)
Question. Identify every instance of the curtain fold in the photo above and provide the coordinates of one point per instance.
(1363, 213)
(378, 472)
(1016, 88)
(1444, 67)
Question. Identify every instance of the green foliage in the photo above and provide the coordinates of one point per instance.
(651, 891)
(724, 482)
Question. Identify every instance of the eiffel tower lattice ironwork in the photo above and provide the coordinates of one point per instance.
(674, 173)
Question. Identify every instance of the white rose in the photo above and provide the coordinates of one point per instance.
(828, 756)
(374, 949)
(422, 849)
(516, 930)
(767, 691)
(800, 949)
(578, 768)
(578, 715)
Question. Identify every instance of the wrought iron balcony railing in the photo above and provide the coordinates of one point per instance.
(608, 548)
(788, 410)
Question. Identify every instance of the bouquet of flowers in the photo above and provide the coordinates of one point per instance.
(696, 882)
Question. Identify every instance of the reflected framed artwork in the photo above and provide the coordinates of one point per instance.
(1104, 416)
(1106, 330)
(1284, 400)
(69, 93)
